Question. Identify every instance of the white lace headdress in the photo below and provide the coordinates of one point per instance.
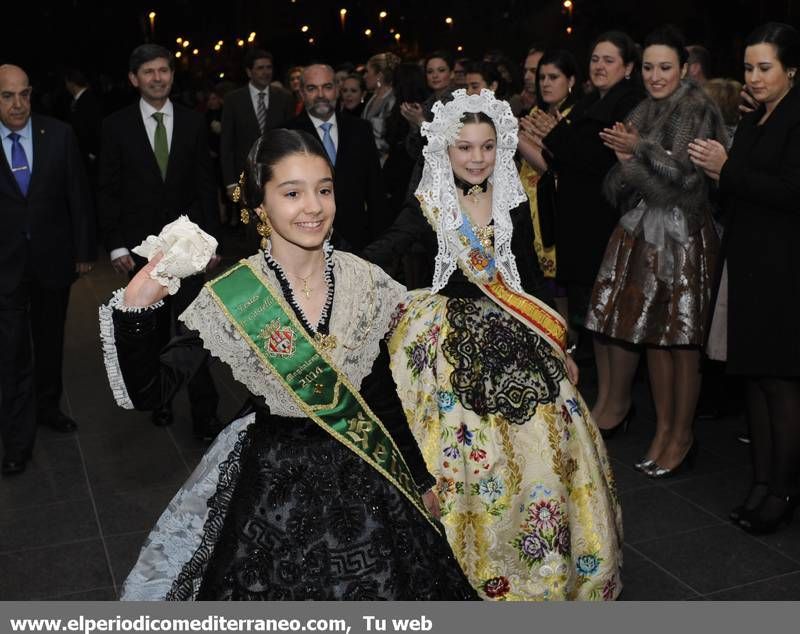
(437, 188)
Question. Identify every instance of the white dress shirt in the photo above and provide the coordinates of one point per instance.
(150, 125)
(254, 97)
(25, 140)
(334, 129)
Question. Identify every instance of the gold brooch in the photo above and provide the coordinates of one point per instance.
(326, 342)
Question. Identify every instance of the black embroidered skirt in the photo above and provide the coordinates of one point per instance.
(310, 520)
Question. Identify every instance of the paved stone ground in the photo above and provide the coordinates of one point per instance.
(72, 524)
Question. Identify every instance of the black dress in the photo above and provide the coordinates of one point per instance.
(760, 192)
(575, 153)
(296, 515)
(411, 227)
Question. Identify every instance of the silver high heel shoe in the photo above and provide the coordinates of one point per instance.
(658, 472)
(644, 465)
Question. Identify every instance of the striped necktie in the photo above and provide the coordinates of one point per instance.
(261, 112)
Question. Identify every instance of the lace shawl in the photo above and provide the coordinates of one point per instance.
(437, 188)
(363, 302)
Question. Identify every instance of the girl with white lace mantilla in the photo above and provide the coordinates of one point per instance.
(318, 491)
(524, 482)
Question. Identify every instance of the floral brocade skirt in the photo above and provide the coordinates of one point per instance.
(524, 481)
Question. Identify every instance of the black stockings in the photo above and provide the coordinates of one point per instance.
(773, 412)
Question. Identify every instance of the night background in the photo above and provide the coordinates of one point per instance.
(97, 37)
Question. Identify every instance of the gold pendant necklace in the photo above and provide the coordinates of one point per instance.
(306, 290)
(473, 194)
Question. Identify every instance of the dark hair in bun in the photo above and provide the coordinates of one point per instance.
(267, 152)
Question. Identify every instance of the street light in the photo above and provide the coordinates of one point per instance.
(449, 21)
(252, 37)
(342, 17)
(382, 15)
(178, 55)
(196, 51)
(217, 47)
(240, 42)
(304, 28)
(185, 44)
(397, 37)
(179, 40)
(368, 32)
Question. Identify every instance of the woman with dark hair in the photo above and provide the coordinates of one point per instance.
(479, 359)
(439, 75)
(579, 160)
(759, 182)
(485, 75)
(351, 95)
(379, 79)
(318, 490)
(556, 92)
(409, 87)
(653, 289)
(293, 80)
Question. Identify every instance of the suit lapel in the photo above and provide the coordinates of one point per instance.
(178, 133)
(273, 115)
(308, 125)
(345, 136)
(250, 109)
(9, 182)
(41, 154)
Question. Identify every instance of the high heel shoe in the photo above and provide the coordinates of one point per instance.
(658, 473)
(608, 432)
(748, 507)
(645, 464)
(755, 523)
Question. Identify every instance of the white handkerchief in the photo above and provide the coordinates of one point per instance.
(187, 250)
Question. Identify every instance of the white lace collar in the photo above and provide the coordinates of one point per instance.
(437, 189)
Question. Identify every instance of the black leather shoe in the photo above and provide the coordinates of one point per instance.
(162, 416)
(13, 467)
(207, 429)
(59, 422)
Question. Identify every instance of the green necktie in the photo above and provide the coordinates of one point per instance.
(160, 146)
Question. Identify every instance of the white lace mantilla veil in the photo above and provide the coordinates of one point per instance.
(437, 187)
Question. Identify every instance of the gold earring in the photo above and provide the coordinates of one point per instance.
(244, 213)
(263, 228)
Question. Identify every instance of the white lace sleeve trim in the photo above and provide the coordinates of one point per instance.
(437, 190)
(109, 344)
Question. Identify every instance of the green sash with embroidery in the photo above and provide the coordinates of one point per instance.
(271, 329)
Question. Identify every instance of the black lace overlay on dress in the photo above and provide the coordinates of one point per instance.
(312, 521)
(500, 365)
(190, 577)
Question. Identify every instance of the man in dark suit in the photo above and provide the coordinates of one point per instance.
(249, 111)
(84, 117)
(46, 238)
(362, 211)
(154, 166)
